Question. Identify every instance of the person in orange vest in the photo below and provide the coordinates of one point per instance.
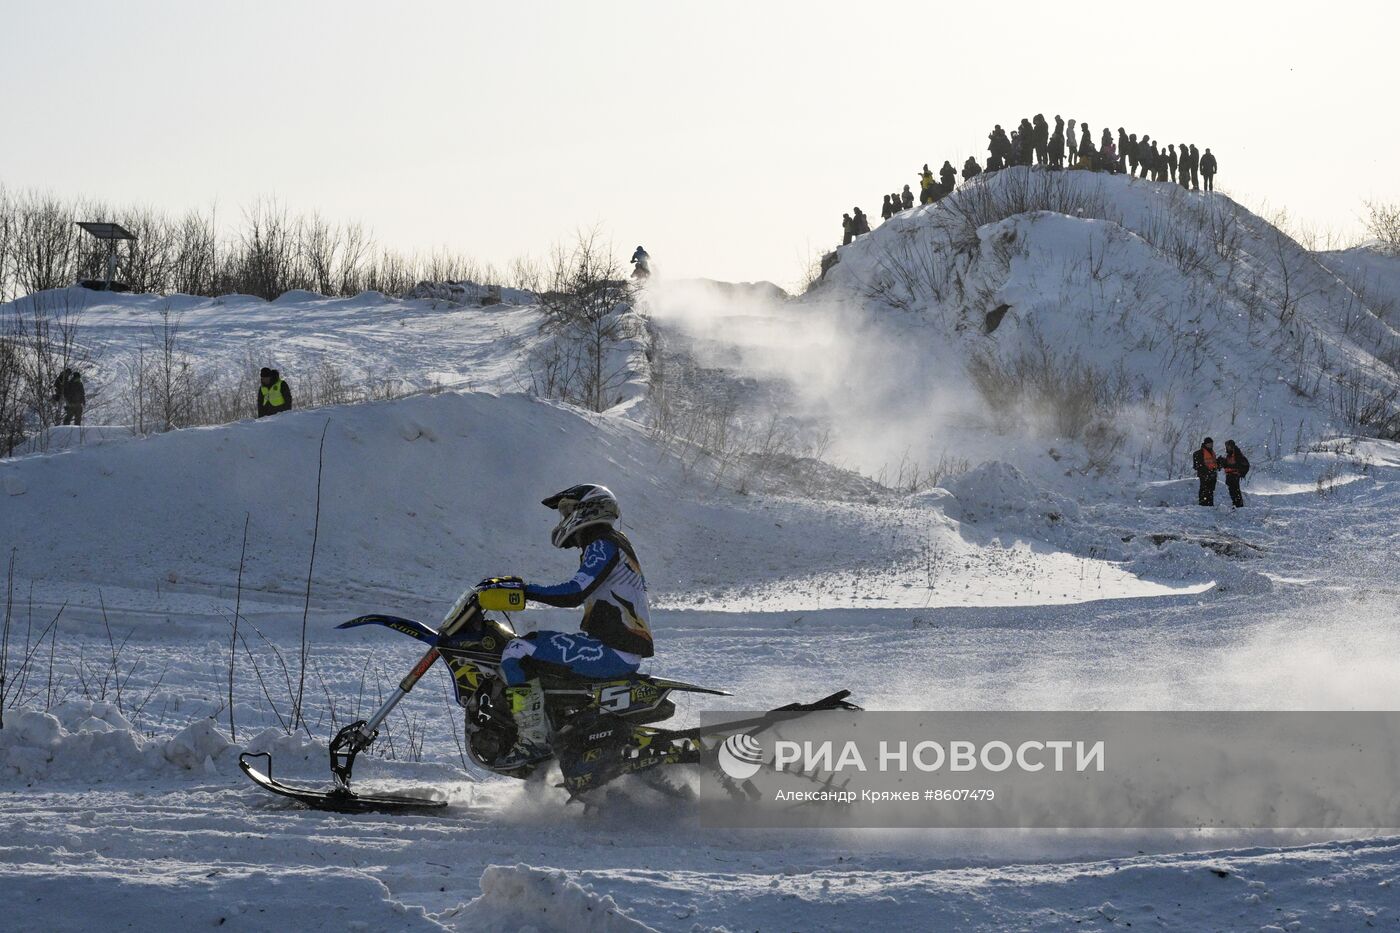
(1236, 466)
(1206, 466)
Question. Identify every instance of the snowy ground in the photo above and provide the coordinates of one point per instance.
(139, 816)
(1030, 581)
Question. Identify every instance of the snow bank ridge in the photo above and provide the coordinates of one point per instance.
(545, 900)
(83, 740)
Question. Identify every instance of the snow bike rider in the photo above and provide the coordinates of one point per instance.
(615, 631)
(642, 260)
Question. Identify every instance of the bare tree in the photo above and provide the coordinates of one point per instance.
(355, 250)
(588, 309)
(267, 262)
(525, 274)
(8, 230)
(150, 259)
(164, 387)
(45, 248)
(268, 254)
(194, 263)
(173, 388)
(11, 391)
(319, 245)
(43, 333)
(1383, 222)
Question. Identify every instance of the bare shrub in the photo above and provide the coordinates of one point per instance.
(1366, 405)
(1383, 223)
(42, 333)
(1224, 227)
(912, 271)
(164, 384)
(525, 274)
(1058, 394)
(332, 256)
(809, 271)
(194, 268)
(1327, 479)
(12, 419)
(150, 260)
(1294, 285)
(910, 476)
(1191, 246)
(1010, 192)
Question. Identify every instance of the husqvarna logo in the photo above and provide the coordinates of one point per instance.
(741, 756)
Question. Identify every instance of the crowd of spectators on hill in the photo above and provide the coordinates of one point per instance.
(1066, 145)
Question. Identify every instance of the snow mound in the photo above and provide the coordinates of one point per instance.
(420, 497)
(196, 746)
(1190, 560)
(998, 493)
(543, 900)
(467, 292)
(297, 296)
(81, 740)
(96, 740)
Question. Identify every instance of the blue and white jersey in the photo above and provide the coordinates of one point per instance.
(612, 590)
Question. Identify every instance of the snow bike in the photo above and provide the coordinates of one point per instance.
(600, 729)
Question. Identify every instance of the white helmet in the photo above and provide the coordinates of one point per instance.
(581, 507)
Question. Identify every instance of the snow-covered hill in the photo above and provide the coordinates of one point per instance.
(1372, 271)
(421, 497)
(371, 343)
(1116, 319)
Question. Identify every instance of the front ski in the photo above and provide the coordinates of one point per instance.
(338, 800)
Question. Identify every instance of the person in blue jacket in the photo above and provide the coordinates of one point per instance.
(615, 633)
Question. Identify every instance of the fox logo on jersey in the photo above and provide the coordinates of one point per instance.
(573, 649)
(595, 556)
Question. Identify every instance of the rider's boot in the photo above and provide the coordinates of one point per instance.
(526, 703)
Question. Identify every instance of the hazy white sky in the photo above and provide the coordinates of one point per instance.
(726, 137)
